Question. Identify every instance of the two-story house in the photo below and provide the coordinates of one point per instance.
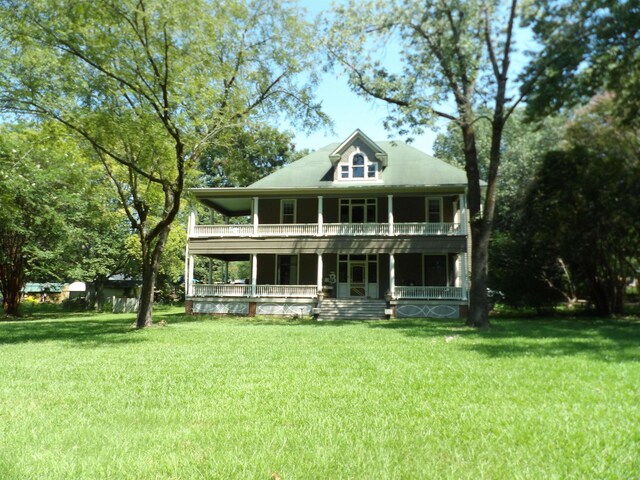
(360, 229)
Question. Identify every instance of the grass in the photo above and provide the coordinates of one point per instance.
(88, 397)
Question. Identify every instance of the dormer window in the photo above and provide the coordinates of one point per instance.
(359, 167)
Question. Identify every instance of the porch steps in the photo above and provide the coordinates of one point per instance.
(346, 309)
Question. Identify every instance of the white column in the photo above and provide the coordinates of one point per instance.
(320, 273)
(392, 275)
(187, 283)
(320, 216)
(463, 212)
(255, 215)
(463, 275)
(192, 223)
(191, 262)
(390, 214)
(254, 274)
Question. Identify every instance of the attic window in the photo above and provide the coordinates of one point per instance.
(359, 167)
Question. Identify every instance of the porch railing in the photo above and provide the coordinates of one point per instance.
(439, 293)
(298, 291)
(224, 290)
(221, 290)
(328, 229)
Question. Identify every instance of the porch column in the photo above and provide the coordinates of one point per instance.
(225, 278)
(390, 209)
(463, 275)
(187, 283)
(191, 275)
(192, 223)
(254, 274)
(255, 215)
(320, 273)
(392, 275)
(320, 216)
(463, 212)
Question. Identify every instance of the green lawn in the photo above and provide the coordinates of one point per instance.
(88, 397)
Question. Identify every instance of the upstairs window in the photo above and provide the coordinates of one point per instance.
(359, 168)
(434, 209)
(287, 211)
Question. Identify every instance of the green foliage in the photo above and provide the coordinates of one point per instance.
(149, 84)
(242, 398)
(249, 155)
(588, 47)
(41, 178)
(523, 147)
(583, 205)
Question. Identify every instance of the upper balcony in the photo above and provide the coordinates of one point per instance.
(327, 230)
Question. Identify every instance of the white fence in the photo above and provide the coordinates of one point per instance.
(439, 293)
(327, 229)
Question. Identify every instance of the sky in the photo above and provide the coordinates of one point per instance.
(350, 111)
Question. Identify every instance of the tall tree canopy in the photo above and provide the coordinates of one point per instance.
(588, 47)
(250, 154)
(44, 178)
(149, 84)
(455, 58)
(583, 205)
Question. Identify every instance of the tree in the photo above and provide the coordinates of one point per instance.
(250, 154)
(149, 84)
(588, 47)
(526, 275)
(583, 205)
(523, 148)
(41, 176)
(455, 59)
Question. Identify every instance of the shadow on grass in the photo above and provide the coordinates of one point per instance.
(83, 329)
(615, 340)
(78, 331)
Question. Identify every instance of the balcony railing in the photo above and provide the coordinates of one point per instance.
(224, 290)
(310, 291)
(429, 293)
(327, 229)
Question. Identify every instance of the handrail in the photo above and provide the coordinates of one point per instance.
(233, 290)
(328, 230)
(428, 293)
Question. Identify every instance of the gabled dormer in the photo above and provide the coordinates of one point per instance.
(358, 159)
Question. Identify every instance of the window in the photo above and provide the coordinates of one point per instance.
(287, 270)
(358, 210)
(434, 209)
(287, 211)
(359, 168)
(436, 271)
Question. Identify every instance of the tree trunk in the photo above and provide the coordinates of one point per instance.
(478, 315)
(98, 297)
(145, 306)
(12, 300)
(151, 256)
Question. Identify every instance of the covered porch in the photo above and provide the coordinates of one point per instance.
(411, 276)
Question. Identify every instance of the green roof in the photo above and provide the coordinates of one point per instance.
(407, 167)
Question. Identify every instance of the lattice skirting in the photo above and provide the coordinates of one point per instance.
(284, 309)
(427, 311)
(236, 308)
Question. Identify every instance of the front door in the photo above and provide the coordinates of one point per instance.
(357, 279)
